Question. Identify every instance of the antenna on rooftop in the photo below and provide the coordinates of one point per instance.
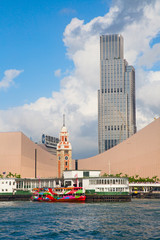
(63, 120)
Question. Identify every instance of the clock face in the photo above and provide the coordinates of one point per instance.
(66, 157)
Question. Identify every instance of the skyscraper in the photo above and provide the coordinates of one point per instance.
(116, 97)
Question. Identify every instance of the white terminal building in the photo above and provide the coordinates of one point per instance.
(89, 180)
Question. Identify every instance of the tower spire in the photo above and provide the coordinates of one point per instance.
(63, 120)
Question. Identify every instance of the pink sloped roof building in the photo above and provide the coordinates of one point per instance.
(138, 155)
(18, 154)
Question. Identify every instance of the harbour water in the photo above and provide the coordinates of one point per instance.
(139, 219)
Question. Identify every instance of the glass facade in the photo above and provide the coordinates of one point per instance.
(116, 97)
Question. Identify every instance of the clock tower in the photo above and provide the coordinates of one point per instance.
(64, 151)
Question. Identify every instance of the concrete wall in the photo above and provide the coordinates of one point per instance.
(140, 154)
(17, 155)
(10, 152)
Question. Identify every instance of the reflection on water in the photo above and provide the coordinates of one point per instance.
(139, 219)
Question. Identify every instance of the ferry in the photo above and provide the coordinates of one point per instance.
(60, 194)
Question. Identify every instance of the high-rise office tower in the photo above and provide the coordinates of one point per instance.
(116, 97)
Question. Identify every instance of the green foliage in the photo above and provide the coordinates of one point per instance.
(134, 179)
(10, 175)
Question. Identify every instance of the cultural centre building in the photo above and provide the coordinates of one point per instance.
(138, 155)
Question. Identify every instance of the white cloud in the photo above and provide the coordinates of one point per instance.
(57, 73)
(149, 94)
(138, 22)
(9, 75)
(150, 56)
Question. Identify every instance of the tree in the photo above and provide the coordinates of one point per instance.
(105, 175)
(118, 174)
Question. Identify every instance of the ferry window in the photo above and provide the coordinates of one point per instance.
(9, 182)
(2, 182)
(13, 183)
(2, 190)
(6, 190)
(6, 182)
(113, 181)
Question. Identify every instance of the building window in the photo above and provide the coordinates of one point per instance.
(85, 174)
(66, 157)
(66, 163)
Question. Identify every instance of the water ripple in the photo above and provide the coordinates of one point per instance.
(139, 219)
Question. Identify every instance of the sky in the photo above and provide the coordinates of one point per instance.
(50, 59)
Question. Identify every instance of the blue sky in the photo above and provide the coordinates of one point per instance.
(49, 64)
(32, 40)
